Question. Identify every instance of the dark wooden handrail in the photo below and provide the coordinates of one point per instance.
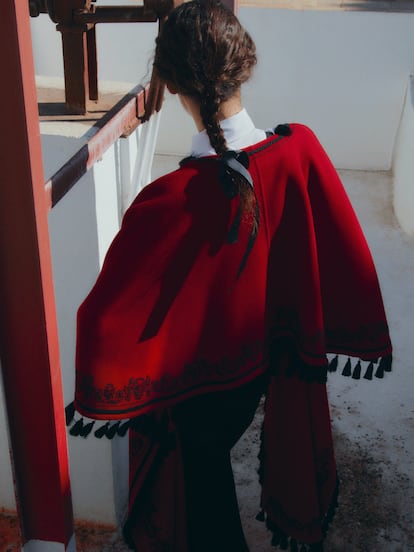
(120, 120)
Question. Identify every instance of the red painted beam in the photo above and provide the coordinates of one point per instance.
(28, 331)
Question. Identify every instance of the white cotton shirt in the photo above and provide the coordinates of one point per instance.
(239, 132)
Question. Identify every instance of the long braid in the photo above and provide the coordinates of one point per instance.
(209, 111)
(203, 52)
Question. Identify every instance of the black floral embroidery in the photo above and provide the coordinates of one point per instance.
(197, 373)
(308, 350)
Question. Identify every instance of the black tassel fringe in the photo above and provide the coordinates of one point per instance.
(76, 429)
(284, 542)
(145, 424)
(87, 428)
(108, 429)
(112, 430)
(123, 428)
(333, 365)
(370, 371)
(356, 374)
(120, 428)
(387, 363)
(100, 432)
(384, 365)
(347, 371)
(70, 413)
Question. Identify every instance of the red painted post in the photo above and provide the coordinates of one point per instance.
(92, 63)
(75, 64)
(28, 331)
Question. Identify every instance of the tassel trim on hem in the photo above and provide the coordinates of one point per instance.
(81, 428)
(299, 365)
(286, 542)
(384, 365)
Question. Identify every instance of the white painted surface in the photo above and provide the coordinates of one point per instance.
(43, 546)
(76, 261)
(403, 164)
(7, 498)
(71, 547)
(106, 201)
(82, 225)
(48, 546)
(134, 161)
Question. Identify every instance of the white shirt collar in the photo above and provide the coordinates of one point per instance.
(239, 132)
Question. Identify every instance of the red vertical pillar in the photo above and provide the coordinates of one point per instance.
(92, 63)
(28, 331)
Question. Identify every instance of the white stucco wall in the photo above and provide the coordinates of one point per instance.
(403, 164)
(342, 73)
(77, 240)
(82, 226)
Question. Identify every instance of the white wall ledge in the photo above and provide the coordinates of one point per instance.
(403, 164)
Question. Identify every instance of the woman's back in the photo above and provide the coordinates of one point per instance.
(235, 266)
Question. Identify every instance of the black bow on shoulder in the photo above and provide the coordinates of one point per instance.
(233, 165)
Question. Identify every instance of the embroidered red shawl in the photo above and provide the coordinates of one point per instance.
(169, 318)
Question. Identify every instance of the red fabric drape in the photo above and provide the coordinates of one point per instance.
(168, 318)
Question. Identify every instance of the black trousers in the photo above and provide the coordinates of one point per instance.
(209, 426)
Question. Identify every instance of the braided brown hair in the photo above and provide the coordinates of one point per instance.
(204, 52)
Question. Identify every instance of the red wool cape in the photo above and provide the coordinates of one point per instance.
(169, 318)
